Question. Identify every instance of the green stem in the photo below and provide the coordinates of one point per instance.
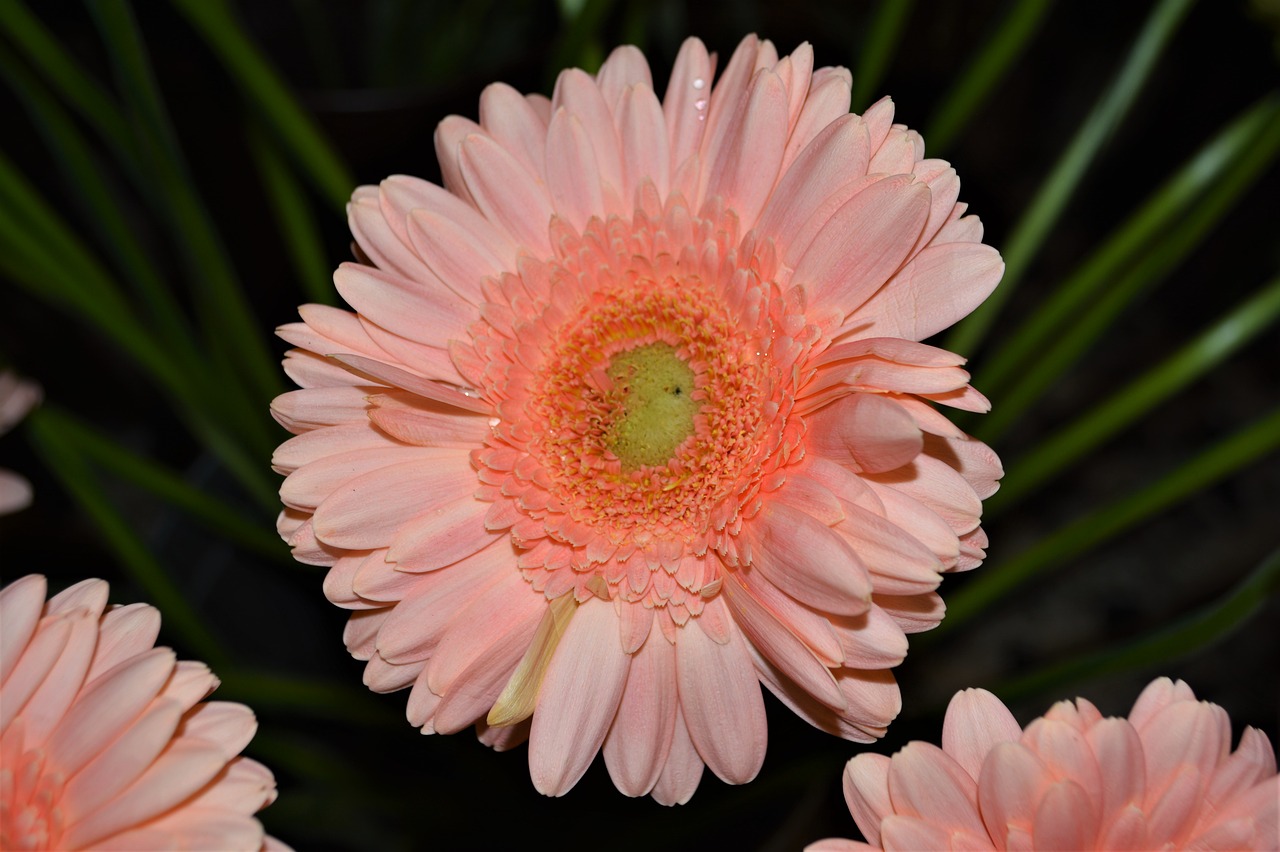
(1104, 523)
(89, 99)
(1031, 230)
(1185, 366)
(293, 213)
(229, 325)
(84, 174)
(59, 452)
(254, 535)
(883, 35)
(987, 68)
(1235, 148)
(1194, 634)
(298, 133)
(1088, 324)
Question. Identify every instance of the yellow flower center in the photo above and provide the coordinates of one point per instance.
(653, 392)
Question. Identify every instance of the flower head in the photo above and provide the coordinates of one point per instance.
(17, 397)
(632, 416)
(105, 742)
(1164, 778)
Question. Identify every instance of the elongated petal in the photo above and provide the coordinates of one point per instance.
(578, 699)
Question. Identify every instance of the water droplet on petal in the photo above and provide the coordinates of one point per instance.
(494, 421)
(700, 105)
(699, 83)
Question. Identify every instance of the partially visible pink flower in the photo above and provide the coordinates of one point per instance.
(633, 416)
(17, 397)
(1164, 778)
(105, 742)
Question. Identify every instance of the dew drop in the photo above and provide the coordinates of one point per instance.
(494, 421)
(699, 83)
(700, 105)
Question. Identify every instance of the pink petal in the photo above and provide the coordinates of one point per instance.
(513, 123)
(222, 723)
(505, 607)
(1010, 786)
(506, 193)
(579, 697)
(745, 170)
(898, 562)
(475, 688)
(909, 834)
(185, 767)
(452, 531)
(21, 603)
(371, 508)
(643, 134)
(772, 638)
(422, 311)
(683, 770)
(639, 743)
(1118, 750)
(690, 83)
(925, 782)
(48, 704)
(975, 723)
(940, 286)
(866, 792)
(108, 707)
(877, 433)
(827, 101)
(721, 703)
(1184, 733)
(872, 640)
(1066, 819)
(624, 68)
(862, 245)
(122, 760)
(836, 157)
(579, 95)
(808, 561)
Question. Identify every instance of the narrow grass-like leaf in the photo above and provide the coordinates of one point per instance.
(299, 134)
(1193, 361)
(293, 214)
(1235, 147)
(66, 77)
(42, 254)
(579, 42)
(984, 71)
(296, 695)
(1063, 349)
(84, 173)
(1029, 234)
(253, 534)
(1107, 521)
(229, 325)
(39, 252)
(59, 452)
(1194, 634)
(877, 48)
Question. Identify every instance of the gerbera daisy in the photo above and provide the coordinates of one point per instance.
(1164, 778)
(105, 741)
(631, 417)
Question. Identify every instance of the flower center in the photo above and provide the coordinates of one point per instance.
(653, 390)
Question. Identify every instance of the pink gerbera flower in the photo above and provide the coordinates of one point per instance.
(1165, 778)
(632, 416)
(105, 742)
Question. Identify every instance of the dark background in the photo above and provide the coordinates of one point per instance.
(379, 88)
